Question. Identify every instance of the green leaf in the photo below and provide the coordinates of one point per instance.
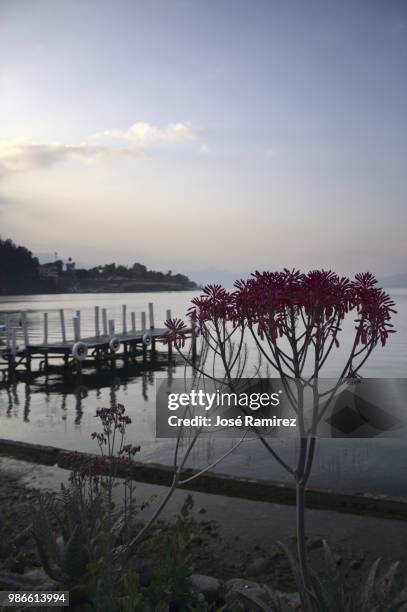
(368, 596)
(75, 557)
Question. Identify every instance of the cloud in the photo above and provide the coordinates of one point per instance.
(24, 155)
(204, 149)
(21, 156)
(144, 132)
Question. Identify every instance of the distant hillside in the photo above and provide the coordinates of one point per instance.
(21, 272)
(394, 282)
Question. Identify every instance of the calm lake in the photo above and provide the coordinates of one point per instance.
(60, 413)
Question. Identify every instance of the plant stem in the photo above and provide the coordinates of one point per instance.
(301, 543)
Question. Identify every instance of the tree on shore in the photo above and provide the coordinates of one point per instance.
(19, 269)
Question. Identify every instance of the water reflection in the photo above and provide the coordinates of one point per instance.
(85, 389)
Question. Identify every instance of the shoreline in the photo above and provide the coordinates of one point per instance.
(236, 540)
(156, 289)
(215, 483)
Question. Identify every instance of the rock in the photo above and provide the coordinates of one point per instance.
(201, 511)
(34, 580)
(237, 587)
(207, 585)
(257, 566)
(250, 593)
(38, 576)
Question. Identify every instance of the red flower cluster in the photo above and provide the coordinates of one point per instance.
(177, 331)
(274, 302)
(374, 307)
(215, 303)
(320, 299)
(112, 418)
(127, 454)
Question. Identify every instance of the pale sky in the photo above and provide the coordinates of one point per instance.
(193, 134)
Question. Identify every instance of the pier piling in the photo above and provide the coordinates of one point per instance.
(62, 322)
(97, 327)
(104, 321)
(24, 325)
(124, 319)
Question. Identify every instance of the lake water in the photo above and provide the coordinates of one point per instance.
(61, 413)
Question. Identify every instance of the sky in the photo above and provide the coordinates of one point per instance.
(189, 135)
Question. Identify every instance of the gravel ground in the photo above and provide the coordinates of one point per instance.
(238, 537)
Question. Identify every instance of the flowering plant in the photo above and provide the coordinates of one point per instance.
(295, 320)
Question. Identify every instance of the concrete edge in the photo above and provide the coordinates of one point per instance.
(222, 484)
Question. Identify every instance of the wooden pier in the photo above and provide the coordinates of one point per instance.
(105, 347)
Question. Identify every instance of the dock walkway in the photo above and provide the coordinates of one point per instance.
(106, 345)
(95, 342)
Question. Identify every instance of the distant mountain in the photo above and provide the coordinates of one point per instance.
(210, 276)
(394, 282)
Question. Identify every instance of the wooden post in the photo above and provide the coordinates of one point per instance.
(24, 325)
(62, 320)
(143, 321)
(111, 334)
(111, 328)
(78, 316)
(124, 319)
(133, 322)
(12, 352)
(97, 327)
(45, 341)
(151, 315)
(45, 328)
(14, 343)
(76, 329)
(104, 321)
(8, 331)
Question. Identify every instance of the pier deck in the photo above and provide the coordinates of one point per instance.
(105, 346)
(93, 342)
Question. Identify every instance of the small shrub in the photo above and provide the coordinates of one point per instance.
(83, 538)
